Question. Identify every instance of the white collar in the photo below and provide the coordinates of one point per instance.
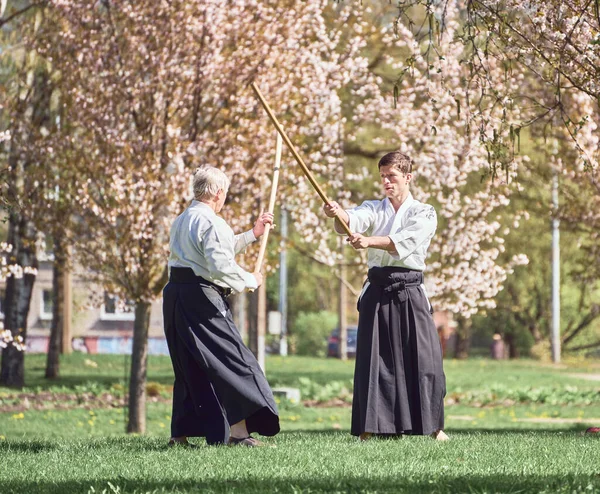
(401, 212)
(403, 207)
(196, 204)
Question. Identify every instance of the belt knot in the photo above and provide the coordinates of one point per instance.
(395, 287)
(399, 288)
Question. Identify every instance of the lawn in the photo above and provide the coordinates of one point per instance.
(514, 427)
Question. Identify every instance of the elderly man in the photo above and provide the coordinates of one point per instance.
(399, 382)
(220, 391)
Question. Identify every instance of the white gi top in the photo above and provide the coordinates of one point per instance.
(411, 229)
(204, 242)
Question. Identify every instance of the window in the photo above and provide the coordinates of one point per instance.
(115, 309)
(47, 305)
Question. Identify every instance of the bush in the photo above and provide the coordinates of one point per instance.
(310, 332)
(541, 351)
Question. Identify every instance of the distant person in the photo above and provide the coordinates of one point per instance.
(220, 392)
(399, 382)
(497, 349)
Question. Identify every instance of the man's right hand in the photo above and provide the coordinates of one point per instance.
(259, 277)
(331, 209)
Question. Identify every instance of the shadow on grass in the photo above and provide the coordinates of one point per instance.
(502, 431)
(508, 430)
(157, 444)
(86, 379)
(468, 483)
(26, 447)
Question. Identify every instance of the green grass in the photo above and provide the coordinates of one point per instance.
(308, 462)
(102, 372)
(514, 426)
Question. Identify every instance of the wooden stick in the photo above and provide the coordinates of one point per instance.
(305, 169)
(265, 237)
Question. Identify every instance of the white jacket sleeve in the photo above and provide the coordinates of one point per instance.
(219, 243)
(361, 217)
(243, 240)
(419, 229)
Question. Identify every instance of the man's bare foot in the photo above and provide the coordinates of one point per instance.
(440, 436)
(365, 436)
(239, 429)
(245, 441)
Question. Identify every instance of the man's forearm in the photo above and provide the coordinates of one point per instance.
(337, 225)
(381, 243)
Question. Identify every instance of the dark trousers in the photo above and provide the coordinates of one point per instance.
(399, 382)
(218, 381)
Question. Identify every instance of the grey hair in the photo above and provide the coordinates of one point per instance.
(208, 180)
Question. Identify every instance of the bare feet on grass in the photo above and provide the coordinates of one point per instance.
(440, 436)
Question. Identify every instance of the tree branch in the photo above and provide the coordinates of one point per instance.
(20, 12)
(584, 347)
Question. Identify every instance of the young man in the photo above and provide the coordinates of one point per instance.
(399, 382)
(220, 391)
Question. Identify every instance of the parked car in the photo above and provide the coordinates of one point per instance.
(333, 342)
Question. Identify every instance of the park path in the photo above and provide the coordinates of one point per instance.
(587, 377)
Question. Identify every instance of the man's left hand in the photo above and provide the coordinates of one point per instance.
(259, 226)
(358, 241)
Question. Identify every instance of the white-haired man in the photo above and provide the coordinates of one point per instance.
(220, 392)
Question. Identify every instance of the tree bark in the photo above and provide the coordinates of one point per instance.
(28, 116)
(261, 324)
(58, 302)
(139, 365)
(513, 351)
(237, 303)
(463, 338)
(342, 308)
(253, 322)
(21, 235)
(535, 333)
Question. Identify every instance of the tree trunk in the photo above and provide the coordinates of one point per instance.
(536, 333)
(342, 309)
(463, 338)
(253, 322)
(261, 324)
(30, 114)
(58, 302)
(513, 351)
(139, 364)
(21, 235)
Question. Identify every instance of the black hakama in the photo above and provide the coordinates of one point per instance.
(218, 381)
(399, 382)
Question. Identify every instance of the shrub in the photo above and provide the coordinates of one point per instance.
(310, 332)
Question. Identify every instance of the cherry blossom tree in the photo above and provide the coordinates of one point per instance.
(555, 47)
(149, 91)
(422, 117)
(24, 110)
(9, 270)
